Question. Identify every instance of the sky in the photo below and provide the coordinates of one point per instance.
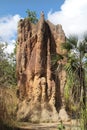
(71, 14)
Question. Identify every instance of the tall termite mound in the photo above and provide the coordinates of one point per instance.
(40, 88)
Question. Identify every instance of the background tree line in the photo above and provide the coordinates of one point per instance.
(7, 67)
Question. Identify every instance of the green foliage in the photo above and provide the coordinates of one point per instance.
(7, 67)
(83, 119)
(15, 49)
(61, 126)
(76, 68)
(67, 89)
(76, 58)
(56, 57)
(32, 16)
(54, 62)
(70, 44)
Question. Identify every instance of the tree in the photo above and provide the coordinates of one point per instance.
(76, 67)
(7, 67)
(32, 16)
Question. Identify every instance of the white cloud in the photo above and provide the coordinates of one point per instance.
(8, 30)
(72, 16)
(10, 47)
(8, 27)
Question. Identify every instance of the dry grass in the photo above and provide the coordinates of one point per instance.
(8, 105)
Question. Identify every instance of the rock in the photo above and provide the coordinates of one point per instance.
(63, 115)
(39, 87)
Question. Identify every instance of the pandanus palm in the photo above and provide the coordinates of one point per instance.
(77, 64)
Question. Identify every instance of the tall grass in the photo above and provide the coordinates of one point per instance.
(8, 104)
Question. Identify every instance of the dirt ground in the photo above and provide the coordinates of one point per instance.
(72, 125)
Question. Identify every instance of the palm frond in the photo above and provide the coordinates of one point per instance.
(70, 43)
(85, 64)
(73, 40)
(56, 57)
(85, 37)
(81, 46)
(67, 46)
(72, 64)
